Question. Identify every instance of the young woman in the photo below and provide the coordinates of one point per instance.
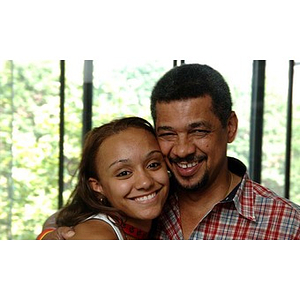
(123, 183)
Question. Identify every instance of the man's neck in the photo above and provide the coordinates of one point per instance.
(195, 205)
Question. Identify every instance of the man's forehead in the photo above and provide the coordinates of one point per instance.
(185, 114)
(173, 104)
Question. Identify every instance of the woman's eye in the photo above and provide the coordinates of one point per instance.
(154, 165)
(123, 174)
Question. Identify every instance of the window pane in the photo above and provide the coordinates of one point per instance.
(123, 88)
(274, 132)
(295, 155)
(29, 146)
(30, 118)
(275, 122)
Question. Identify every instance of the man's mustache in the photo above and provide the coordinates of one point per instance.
(188, 159)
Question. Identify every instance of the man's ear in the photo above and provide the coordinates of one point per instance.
(232, 126)
(95, 185)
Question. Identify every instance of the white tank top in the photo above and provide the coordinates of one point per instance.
(105, 218)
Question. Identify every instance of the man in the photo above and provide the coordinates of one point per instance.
(212, 197)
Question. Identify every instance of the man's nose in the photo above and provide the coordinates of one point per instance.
(183, 147)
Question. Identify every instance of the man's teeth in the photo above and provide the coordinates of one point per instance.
(145, 198)
(189, 165)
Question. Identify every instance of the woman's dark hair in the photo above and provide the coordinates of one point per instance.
(84, 201)
(193, 81)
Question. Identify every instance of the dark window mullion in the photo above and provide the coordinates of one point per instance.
(256, 123)
(61, 135)
(289, 130)
(175, 63)
(87, 97)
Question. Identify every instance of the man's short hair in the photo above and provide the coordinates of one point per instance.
(192, 81)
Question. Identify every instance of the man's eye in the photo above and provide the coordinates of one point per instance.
(200, 131)
(166, 135)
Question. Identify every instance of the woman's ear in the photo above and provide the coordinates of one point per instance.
(95, 185)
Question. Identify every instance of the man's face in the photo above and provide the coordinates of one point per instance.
(193, 141)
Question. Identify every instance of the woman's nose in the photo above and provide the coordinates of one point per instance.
(144, 180)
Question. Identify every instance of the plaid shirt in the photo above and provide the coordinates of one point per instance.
(250, 212)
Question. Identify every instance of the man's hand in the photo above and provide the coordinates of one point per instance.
(61, 233)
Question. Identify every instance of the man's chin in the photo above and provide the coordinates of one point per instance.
(192, 185)
(191, 188)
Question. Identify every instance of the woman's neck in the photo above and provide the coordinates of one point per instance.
(144, 225)
(136, 230)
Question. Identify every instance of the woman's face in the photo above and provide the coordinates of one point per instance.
(133, 174)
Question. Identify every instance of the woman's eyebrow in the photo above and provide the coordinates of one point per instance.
(124, 160)
(153, 152)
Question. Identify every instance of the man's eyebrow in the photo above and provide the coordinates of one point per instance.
(199, 124)
(189, 126)
(164, 128)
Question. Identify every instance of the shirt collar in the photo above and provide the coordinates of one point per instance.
(244, 204)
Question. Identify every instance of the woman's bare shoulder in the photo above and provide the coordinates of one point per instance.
(94, 230)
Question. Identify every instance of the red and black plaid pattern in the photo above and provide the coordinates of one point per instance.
(253, 213)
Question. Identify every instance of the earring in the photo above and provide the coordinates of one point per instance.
(104, 200)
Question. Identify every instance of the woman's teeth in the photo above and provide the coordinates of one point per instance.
(145, 198)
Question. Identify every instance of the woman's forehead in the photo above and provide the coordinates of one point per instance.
(131, 139)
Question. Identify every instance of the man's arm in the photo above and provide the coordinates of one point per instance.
(89, 230)
(61, 233)
(52, 232)
(51, 221)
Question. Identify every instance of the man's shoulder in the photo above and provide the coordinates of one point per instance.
(270, 199)
(275, 217)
